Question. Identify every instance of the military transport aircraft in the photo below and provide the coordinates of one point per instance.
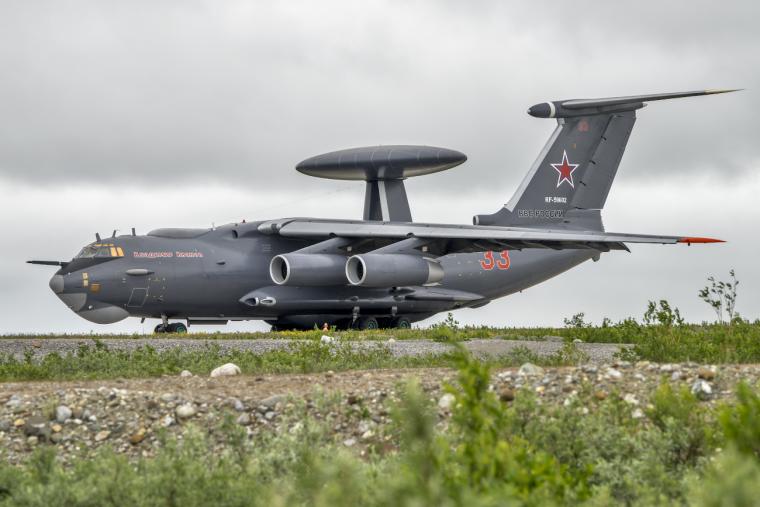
(384, 270)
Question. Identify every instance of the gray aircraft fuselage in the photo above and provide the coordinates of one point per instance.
(385, 269)
(202, 279)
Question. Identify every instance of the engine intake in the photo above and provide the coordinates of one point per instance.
(308, 270)
(392, 270)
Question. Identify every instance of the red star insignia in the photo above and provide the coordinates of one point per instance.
(565, 170)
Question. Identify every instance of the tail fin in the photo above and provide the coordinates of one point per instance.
(568, 183)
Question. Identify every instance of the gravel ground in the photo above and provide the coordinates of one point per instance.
(597, 352)
(77, 417)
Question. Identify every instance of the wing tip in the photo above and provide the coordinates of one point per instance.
(696, 239)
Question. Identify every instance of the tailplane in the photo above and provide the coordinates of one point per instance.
(568, 183)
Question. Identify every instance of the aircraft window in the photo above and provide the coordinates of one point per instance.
(98, 250)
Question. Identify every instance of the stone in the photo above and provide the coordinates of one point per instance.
(391, 341)
(529, 370)
(185, 373)
(185, 411)
(273, 400)
(612, 373)
(701, 389)
(167, 421)
(270, 415)
(36, 426)
(446, 401)
(237, 405)
(329, 374)
(168, 397)
(326, 339)
(600, 395)
(353, 399)
(56, 428)
(32, 440)
(367, 435)
(13, 402)
(577, 341)
(137, 437)
(506, 394)
(706, 373)
(349, 442)
(5, 425)
(62, 413)
(243, 419)
(637, 414)
(226, 370)
(56, 438)
(630, 399)
(102, 435)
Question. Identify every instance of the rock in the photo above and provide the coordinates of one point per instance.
(577, 341)
(600, 395)
(637, 414)
(32, 440)
(56, 438)
(102, 435)
(612, 373)
(62, 413)
(185, 373)
(326, 339)
(329, 374)
(168, 397)
(701, 389)
(56, 428)
(530, 369)
(225, 370)
(13, 402)
(706, 373)
(630, 399)
(167, 421)
(506, 394)
(367, 435)
(349, 442)
(675, 376)
(273, 400)
(137, 437)
(236, 404)
(353, 399)
(391, 341)
(5, 425)
(446, 401)
(185, 411)
(667, 368)
(270, 415)
(36, 426)
(243, 419)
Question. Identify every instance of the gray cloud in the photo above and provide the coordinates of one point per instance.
(206, 91)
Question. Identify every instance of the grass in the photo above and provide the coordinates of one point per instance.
(589, 452)
(99, 362)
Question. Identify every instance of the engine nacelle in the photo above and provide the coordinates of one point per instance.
(392, 270)
(308, 270)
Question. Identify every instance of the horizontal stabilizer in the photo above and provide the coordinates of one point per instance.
(586, 107)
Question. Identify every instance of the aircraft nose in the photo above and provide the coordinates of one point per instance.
(56, 284)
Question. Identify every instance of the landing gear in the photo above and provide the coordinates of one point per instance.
(367, 323)
(174, 327)
(401, 323)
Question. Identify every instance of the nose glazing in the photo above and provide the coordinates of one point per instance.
(56, 284)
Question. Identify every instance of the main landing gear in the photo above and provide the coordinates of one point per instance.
(174, 327)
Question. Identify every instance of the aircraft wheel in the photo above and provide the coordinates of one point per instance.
(160, 329)
(402, 323)
(177, 327)
(368, 323)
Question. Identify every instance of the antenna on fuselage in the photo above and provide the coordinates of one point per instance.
(113, 234)
(97, 237)
(133, 232)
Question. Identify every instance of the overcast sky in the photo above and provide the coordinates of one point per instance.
(183, 113)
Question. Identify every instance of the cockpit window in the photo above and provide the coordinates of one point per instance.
(100, 250)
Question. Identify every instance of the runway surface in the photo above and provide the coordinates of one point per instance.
(597, 352)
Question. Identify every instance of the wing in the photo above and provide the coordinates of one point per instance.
(442, 239)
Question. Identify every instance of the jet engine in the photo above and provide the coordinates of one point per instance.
(308, 270)
(392, 270)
